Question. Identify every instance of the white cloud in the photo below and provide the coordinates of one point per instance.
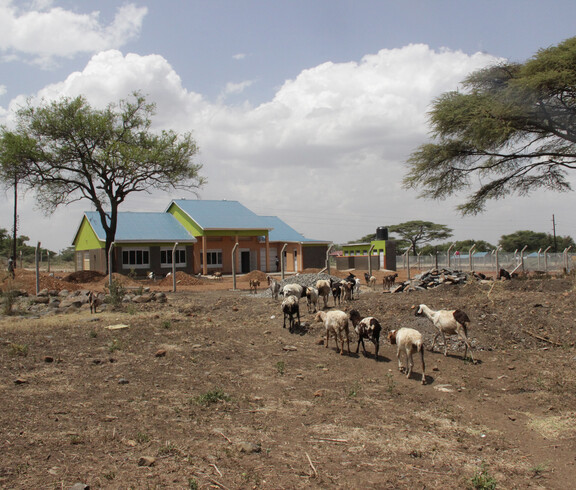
(44, 33)
(239, 56)
(325, 154)
(237, 88)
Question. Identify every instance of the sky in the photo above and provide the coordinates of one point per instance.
(305, 110)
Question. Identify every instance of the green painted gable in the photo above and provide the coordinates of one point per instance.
(86, 238)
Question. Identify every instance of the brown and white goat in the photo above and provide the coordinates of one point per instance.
(366, 328)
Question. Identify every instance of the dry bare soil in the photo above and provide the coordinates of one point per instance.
(209, 391)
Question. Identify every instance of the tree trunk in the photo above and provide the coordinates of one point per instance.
(15, 228)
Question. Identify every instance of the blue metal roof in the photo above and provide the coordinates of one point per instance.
(281, 232)
(221, 215)
(143, 227)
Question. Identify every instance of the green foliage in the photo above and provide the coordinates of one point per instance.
(114, 346)
(482, 480)
(18, 349)
(211, 397)
(354, 390)
(461, 245)
(534, 241)
(510, 131)
(28, 252)
(417, 232)
(142, 438)
(67, 151)
(8, 300)
(116, 292)
(280, 367)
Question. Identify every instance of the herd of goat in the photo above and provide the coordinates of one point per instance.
(336, 322)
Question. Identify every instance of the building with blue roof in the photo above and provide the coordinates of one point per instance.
(211, 236)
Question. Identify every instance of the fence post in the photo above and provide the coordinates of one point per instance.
(497, 261)
(546, 259)
(449, 249)
(522, 257)
(539, 251)
(328, 258)
(470, 256)
(174, 267)
(37, 264)
(234, 265)
(566, 266)
(407, 254)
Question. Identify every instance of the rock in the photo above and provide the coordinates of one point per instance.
(160, 353)
(248, 447)
(80, 486)
(48, 359)
(123, 381)
(146, 461)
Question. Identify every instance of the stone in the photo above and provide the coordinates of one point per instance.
(146, 461)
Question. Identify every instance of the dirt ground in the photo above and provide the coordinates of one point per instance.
(209, 391)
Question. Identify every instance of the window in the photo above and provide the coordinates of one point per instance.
(213, 258)
(166, 257)
(136, 258)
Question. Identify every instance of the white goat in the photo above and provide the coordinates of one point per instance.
(293, 290)
(274, 286)
(408, 341)
(448, 322)
(312, 298)
(372, 282)
(335, 322)
(324, 290)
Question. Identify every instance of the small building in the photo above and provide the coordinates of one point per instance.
(208, 233)
(144, 242)
(381, 252)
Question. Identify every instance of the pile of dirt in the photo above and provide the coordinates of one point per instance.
(84, 277)
(182, 279)
(255, 276)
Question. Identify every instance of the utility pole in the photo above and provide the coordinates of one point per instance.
(554, 233)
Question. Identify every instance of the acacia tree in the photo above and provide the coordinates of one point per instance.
(13, 168)
(101, 155)
(419, 232)
(510, 131)
(534, 241)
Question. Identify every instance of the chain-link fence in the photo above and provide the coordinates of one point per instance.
(489, 262)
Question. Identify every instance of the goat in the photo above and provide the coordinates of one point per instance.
(335, 322)
(94, 300)
(409, 341)
(290, 307)
(324, 289)
(347, 288)
(312, 299)
(274, 286)
(367, 278)
(217, 275)
(254, 283)
(388, 281)
(448, 322)
(293, 290)
(336, 288)
(372, 282)
(366, 328)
